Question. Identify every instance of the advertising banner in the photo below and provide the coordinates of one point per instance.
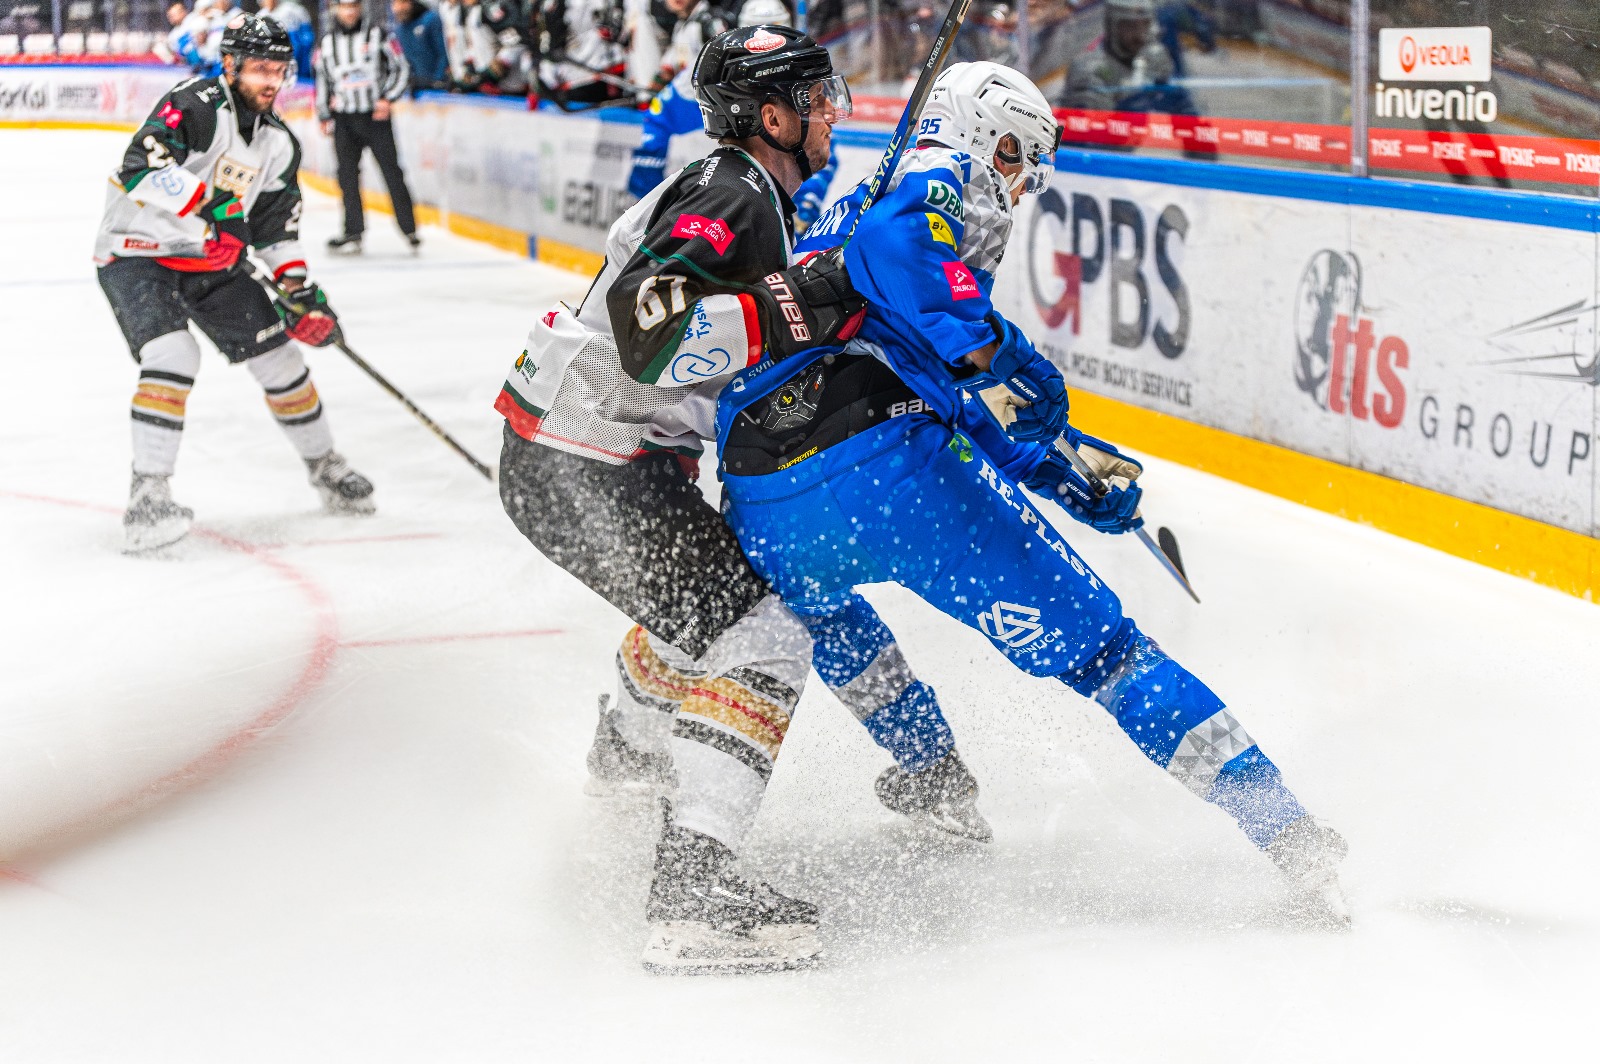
(1455, 354)
(85, 94)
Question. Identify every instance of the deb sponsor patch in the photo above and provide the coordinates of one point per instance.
(962, 284)
(940, 229)
(946, 200)
(715, 231)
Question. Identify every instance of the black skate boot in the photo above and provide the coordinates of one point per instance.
(616, 768)
(944, 794)
(152, 519)
(345, 244)
(415, 241)
(705, 918)
(343, 490)
(1308, 853)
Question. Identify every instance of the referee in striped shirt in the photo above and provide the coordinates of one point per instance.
(360, 72)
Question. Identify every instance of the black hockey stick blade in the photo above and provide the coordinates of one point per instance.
(908, 118)
(1169, 547)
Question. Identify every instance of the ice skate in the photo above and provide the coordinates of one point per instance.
(944, 794)
(707, 919)
(415, 242)
(153, 520)
(619, 769)
(345, 245)
(1308, 853)
(343, 490)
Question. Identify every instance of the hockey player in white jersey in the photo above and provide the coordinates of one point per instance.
(212, 173)
(607, 410)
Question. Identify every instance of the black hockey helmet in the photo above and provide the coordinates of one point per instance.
(743, 68)
(254, 37)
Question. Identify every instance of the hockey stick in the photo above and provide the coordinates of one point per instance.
(1171, 563)
(919, 96)
(288, 301)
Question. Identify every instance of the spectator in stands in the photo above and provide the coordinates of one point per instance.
(421, 37)
(452, 19)
(361, 72)
(296, 21)
(582, 44)
(1127, 69)
(1182, 17)
(187, 34)
(218, 14)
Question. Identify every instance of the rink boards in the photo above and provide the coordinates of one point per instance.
(1422, 358)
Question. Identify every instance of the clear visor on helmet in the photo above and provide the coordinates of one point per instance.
(1039, 161)
(828, 99)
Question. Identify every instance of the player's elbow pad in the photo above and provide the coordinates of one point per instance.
(171, 188)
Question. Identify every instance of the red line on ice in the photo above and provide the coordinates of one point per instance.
(324, 646)
(419, 639)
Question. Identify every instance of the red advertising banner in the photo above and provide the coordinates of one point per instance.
(1547, 159)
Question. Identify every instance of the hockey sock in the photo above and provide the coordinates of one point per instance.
(1186, 729)
(653, 679)
(857, 657)
(731, 725)
(167, 368)
(293, 400)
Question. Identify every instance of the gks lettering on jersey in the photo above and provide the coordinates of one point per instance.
(233, 176)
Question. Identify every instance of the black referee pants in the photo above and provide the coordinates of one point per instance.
(352, 134)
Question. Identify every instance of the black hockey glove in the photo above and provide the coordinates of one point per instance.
(811, 304)
(309, 318)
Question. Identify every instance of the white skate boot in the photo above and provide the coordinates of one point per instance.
(343, 490)
(152, 519)
(705, 918)
(1308, 853)
(945, 795)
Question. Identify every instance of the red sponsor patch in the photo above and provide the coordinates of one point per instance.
(170, 116)
(763, 40)
(715, 230)
(133, 243)
(550, 320)
(962, 284)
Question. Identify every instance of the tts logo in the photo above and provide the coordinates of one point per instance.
(1341, 361)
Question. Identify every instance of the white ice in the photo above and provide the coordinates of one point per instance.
(311, 788)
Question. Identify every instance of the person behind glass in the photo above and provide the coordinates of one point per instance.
(1126, 69)
(361, 71)
(421, 37)
(296, 21)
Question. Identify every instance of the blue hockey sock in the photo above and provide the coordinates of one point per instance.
(1186, 729)
(857, 657)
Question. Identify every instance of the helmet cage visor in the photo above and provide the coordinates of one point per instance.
(818, 98)
(1039, 159)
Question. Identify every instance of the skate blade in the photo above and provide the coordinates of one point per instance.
(1321, 908)
(685, 948)
(596, 787)
(966, 824)
(339, 506)
(141, 539)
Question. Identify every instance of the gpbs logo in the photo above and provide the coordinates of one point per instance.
(1342, 362)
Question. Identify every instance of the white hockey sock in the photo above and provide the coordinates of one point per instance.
(653, 678)
(293, 399)
(730, 727)
(167, 368)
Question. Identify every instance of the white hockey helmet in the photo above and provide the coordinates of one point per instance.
(974, 105)
(765, 13)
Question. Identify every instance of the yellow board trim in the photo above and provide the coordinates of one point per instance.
(1521, 546)
(54, 123)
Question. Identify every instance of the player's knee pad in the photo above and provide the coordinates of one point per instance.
(857, 657)
(174, 352)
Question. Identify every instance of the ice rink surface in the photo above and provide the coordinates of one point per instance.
(310, 788)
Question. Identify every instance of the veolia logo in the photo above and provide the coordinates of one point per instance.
(1408, 53)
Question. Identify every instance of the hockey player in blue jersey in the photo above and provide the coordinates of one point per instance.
(904, 456)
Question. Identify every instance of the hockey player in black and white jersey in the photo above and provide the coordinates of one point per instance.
(606, 411)
(210, 174)
(361, 72)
